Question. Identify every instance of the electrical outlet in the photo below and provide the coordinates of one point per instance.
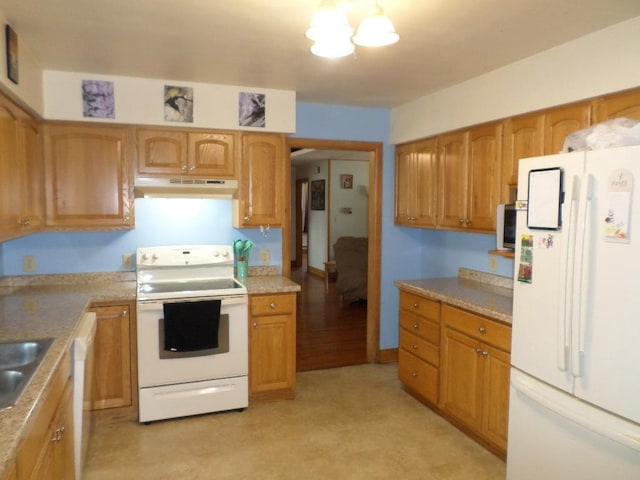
(493, 263)
(127, 261)
(28, 263)
(266, 256)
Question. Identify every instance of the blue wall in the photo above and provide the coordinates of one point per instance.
(407, 253)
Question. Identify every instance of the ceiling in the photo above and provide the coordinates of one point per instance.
(259, 43)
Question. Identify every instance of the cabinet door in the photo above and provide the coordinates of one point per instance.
(405, 185)
(112, 379)
(271, 360)
(560, 122)
(33, 174)
(426, 181)
(212, 154)
(461, 374)
(522, 137)
(452, 180)
(161, 152)
(483, 177)
(624, 104)
(10, 185)
(261, 196)
(87, 177)
(57, 459)
(496, 396)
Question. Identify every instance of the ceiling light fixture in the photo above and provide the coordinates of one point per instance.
(331, 31)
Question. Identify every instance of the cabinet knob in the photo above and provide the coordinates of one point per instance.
(246, 218)
(183, 167)
(126, 219)
(192, 168)
(484, 354)
(478, 350)
(25, 223)
(414, 346)
(414, 374)
(124, 313)
(255, 324)
(482, 329)
(461, 221)
(272, 305)
(415, 326)
(415, 305)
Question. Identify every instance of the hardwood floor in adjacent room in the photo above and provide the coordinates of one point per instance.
(330, 332)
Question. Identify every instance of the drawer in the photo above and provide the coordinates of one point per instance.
(420, 347)
(420, 326)
(418, 376)
(478, 327)
(272, 304)
(421, 306)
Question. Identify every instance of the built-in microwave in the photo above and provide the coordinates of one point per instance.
(506, 226)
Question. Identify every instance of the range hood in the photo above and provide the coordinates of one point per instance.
(185, 188)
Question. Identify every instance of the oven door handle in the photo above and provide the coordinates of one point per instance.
(226, 301)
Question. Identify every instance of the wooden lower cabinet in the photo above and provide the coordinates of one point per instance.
(419, 354)
(46, 451)
(272, 346)
(474, 375)
(115, 373)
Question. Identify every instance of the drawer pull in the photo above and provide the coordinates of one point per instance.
(482, 329)
(272, 305)
(415, 305)
(415, 326)
(414, 374)
(414, 346)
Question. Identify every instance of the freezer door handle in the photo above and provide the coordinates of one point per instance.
(581, 278)
(571, 408)
(565, 305)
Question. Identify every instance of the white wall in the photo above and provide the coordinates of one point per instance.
(356, 223)
(141, 101)
(318, 234)
(602, 62)
(29, 87)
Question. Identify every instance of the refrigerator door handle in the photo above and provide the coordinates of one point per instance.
(587, 416)
(581, 278)
(565, 305)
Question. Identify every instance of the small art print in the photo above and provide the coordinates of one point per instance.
(12, 54)
(178, 104)
(98, 100)
(252, 109)
(346, 181)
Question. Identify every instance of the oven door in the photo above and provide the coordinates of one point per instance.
(161, 364)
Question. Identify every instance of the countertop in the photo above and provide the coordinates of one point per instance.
(478, 292)
(41, 306)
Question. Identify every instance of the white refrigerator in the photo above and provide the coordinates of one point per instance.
(574, 405)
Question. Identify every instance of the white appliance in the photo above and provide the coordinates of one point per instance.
(574, 407)
(82, 378)
(192, 320)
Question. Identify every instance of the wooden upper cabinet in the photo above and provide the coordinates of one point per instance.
(483, 176)
(624, 104)
(452, 179)
(161, 152)
(417, 184)
(561, 121)
(32, 165)
(262, 185)
(177, 152)
(522, 137)
(11, 184)
(88, 181)
(21, 172)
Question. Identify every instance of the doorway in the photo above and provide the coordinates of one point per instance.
(374, 153)
(302, 220)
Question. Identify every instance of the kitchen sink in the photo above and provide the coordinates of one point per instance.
(18, 363)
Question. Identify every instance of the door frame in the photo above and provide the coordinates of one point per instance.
(298, 214)
(374, 232)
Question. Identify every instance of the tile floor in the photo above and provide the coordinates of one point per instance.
(346, 423)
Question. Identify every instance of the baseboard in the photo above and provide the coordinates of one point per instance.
(389, 355)
(315, 271)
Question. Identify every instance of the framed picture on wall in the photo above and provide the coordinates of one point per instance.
(346, 181)
(317, 195)
(12, 54)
